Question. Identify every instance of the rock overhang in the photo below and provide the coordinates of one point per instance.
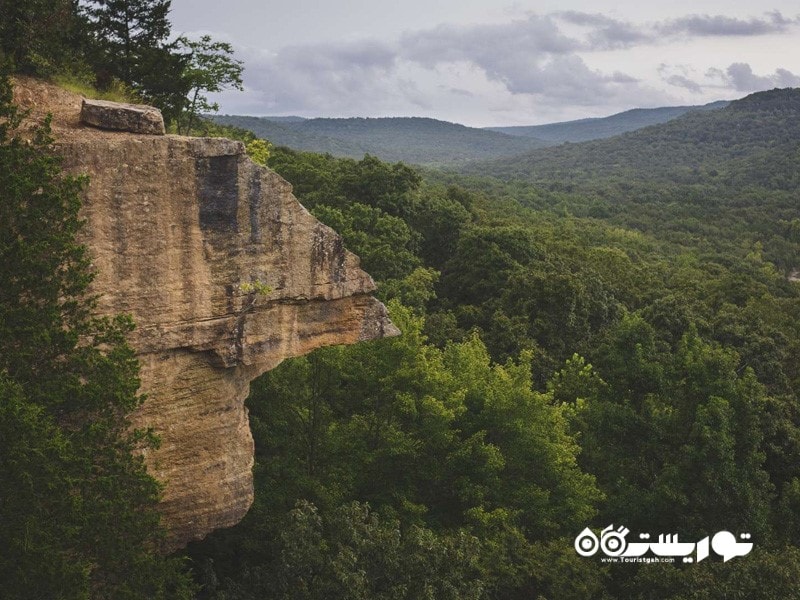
(181, 230)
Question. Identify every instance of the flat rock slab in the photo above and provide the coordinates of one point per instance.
(136, 118)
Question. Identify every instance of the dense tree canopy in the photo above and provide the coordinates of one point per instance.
(77, 508)
(620, 351)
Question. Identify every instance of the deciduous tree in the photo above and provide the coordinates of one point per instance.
(211, 68)
(77, 507)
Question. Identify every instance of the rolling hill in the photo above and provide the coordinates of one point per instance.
(754, 138)
(409, 139)
(584, 130)
(283, 133)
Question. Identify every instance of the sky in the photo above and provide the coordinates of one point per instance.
(491, 63)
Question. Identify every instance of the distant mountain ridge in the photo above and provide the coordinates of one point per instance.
(431, 142)
(415, 140)
(754, 140)
(583, 130)
(287, 119)
(285, 133)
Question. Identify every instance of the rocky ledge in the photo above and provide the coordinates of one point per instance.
(225, 274)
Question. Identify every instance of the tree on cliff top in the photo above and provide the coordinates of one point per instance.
(129, 43)
(77, 507)
(126, 29)
(211, 68)
(38, 36)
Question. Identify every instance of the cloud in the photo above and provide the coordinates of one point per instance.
(530, 56)
(458, 92)
(680, 76)
(740, 77)
(485, 44)
(606, 33)
(720, 25)
(685, 82)
(737, 76)
(318, 77)
(539, 64)
(602, 32)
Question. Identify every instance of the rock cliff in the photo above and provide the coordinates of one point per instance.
(185, 234)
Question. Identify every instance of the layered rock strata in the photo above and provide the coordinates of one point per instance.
(226, 275)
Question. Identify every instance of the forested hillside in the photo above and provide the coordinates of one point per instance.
(620, 347)
(584, 130)
(431, 142)
(285, 133)
(412, 140)
(750, 138)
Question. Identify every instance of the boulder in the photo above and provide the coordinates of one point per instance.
(135, 118)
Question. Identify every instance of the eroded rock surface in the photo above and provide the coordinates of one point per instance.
(182, 231)
(134, 118)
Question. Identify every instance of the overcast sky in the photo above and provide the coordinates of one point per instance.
(488, 62)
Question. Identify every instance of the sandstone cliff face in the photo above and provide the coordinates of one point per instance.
(181, 231)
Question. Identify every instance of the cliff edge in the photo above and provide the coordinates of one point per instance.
(185, 235)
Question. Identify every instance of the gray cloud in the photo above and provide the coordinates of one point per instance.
(606, 33)
(458, 92)
(533, 36)
(323, 77)
(740, 77)
(530, 56)
(684, 82)
(737, 76)
(539, 61)
(720, 25)
(562, 76)
(679, 76)
(360, 57)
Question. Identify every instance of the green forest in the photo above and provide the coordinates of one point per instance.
(604, 355)
(410, 139)
(593, 334)
(596, 128)
(436, 143)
